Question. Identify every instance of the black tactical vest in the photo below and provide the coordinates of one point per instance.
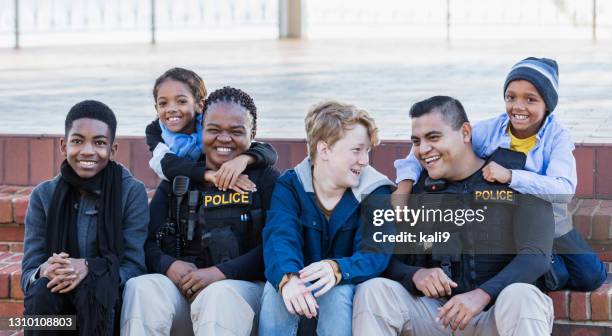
(226, 224)
(475, 251)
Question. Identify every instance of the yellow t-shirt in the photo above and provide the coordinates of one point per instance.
(521, 145)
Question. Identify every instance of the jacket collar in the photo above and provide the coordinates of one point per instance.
(370, 179)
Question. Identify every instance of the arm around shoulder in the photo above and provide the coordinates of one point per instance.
(560, 177)
(408, 168)
(264, 154)
(153, 135)
(173, 165)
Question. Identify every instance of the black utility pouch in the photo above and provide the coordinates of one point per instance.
(222, 245)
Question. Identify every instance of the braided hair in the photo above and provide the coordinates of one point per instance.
(233, 95)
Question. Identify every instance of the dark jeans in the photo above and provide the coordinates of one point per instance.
(575, 265)
(40, 301)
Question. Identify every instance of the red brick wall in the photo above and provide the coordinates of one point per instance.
(28, 159)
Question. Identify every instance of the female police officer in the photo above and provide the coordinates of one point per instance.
(207, 256)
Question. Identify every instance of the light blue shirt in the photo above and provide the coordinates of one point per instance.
(550, 169)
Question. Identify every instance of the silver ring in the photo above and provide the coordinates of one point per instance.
(190, 291)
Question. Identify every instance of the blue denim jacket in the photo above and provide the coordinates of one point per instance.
(550, 170)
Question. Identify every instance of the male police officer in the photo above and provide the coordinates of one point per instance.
(458, 288)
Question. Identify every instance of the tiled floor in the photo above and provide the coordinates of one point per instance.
(38, 85)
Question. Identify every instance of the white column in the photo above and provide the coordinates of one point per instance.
(291, 19)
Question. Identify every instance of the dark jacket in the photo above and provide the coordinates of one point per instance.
(297, 233)
(247, 266)
(135, 221)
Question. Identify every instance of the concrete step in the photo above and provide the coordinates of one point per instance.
(576, 313)
(563, 328)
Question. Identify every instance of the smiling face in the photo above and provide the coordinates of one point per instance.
(227, 132)
(88, 147)
(345, 160)
(439, 148)
(525, 108)
(176, 107)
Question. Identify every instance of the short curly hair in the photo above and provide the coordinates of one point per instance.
(237, 96)
(193, 81)
(92, 109)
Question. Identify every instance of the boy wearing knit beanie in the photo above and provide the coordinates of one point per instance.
(529, 126)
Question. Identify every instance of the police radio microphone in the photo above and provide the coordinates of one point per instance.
(193, 204)
(432, 185)
(180, 185)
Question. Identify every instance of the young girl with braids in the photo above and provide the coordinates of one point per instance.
(175, 136)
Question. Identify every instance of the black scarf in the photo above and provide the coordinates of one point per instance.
(96, 296)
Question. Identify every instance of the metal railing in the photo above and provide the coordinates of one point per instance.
(459, 18)
(155, 20)
(21, 18)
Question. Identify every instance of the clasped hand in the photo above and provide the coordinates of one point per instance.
(433, 282)
(190, 280)
(299, 298)
(459, 310)
(64, 272)
(230, 175)
(493, 172)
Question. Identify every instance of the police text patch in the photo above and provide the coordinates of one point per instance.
(223, 198)
(495, 195)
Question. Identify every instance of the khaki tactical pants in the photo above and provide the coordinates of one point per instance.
(385, 307)
(153, 305)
